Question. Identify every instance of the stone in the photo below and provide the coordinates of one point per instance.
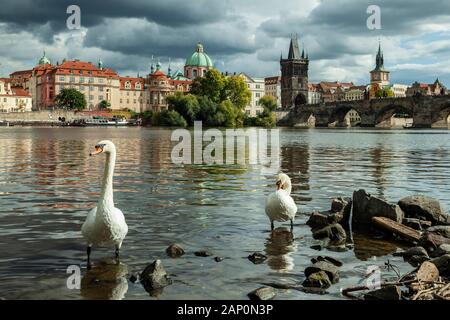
(343, 206)
(441, 250)
(427, 272)
(317, 247)
(203, 253)
(443, 264)
(218, 259)
(331, 270)
(424, 207)
(323, 218)
(416, 224)
(415, 256)
(257, 258)
(263, 293)
(332, 260)
(133, 278)
(317, 280)
(334, 232)
(386, 293)
(365, 207)
(440, 230)
(431, 241)
(155, 276)
(175, 250)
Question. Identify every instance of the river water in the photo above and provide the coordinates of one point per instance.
(48, 183)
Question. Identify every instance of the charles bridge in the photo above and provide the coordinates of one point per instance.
(425, 111)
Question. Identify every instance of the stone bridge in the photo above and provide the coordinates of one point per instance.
(425, 112)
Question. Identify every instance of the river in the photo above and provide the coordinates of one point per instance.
(48, 183)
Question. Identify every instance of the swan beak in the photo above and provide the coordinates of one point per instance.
(98, 149)
(278, 185)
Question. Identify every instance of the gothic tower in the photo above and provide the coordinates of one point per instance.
(379, 77)
(294, 76)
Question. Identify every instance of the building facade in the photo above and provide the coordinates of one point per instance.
(426, 89)
(13, 98)
(314, 94)
(272, 87)
(379, 77)
(257, 89)
(294, 76)
(399, 90)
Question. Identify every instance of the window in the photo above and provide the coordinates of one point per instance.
(91, 88)
(62, 78)
(100, 98)
(128, 101)
(91, 80)
(258, 94)
(81, 80)
(121, 101)
(91, 97)
(100, 80)
(81, 71)
(134, 93)
(100, 89)
(127, 85)
(138, 86)
(134, 101)
(257, 86)
(195, 73)
(72, 79)
(81, 88)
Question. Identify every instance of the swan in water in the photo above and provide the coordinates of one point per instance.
(279, 204)
(105, 224)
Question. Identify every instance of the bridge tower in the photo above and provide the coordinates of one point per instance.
(294, 76)
(379, 77)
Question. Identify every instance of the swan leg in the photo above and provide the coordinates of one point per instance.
(292, 225)
(271, 225)
(117, 252)
(88, 251)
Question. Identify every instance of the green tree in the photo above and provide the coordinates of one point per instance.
(236, 90)
(266, 118)
(186, 105)
(212, 85)
(71, 99)
(384, 93)
(104, 105)
(269, 103)
(169, 118)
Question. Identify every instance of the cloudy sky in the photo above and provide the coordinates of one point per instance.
(240, 36)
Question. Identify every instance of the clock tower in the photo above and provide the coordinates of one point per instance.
(379, 77)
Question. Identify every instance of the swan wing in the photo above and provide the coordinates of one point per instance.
(87, 228)
(119, 227)
(280, 206)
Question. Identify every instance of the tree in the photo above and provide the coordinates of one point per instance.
(211, 85)
(104, 104)
(186, 105)
(169, 118)
(236, 90)
(384, 93)
(269, 103)
(267, 118)
(71, 99)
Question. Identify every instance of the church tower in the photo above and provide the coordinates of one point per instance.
(294, 76)
(379, 77)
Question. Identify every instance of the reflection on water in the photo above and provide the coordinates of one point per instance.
(106, 280)
(48, 183)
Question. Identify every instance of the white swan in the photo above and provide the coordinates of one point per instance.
(279, 204)
(105, 224)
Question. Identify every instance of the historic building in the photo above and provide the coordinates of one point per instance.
(294, 76)
(427, 89)
(399, 90)
(314, 93)
(133, 95)
(257, 89)
(197, 64)
(272, 87)
(13, 98)
(379, 77)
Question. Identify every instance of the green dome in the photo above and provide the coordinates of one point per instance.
(199, 58)
(44, 60)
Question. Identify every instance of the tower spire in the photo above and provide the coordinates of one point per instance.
(294, 51)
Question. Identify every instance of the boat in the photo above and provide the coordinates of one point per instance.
(102, 121)
(408, 125)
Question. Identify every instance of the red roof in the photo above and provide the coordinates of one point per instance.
(132, 81)
(158, 74)
(20, 92)
(76, 67)
(26, 73)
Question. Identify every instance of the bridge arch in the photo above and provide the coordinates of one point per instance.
(441, 118)
(345, 116)
(394, 115)
(300, 99)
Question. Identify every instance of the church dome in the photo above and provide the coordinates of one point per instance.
(199, 58)
(44, 60)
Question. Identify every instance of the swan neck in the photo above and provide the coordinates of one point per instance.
(106, 198)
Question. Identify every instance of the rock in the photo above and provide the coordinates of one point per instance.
(263, 293)
(416, 224)
(365, 207)
(331, 270)
(318, 280)
(431, 241)
(427, 272)
(443, 264)
(415, 256)
(154, 276)
(317, 247)
(175, 251)
(441, 250)
(386, 293)
(334, 232)
(203, 253)
(343, 206)
(424, 207)
(218, 259)
(332, 260)
(257, 258)
(440, 230)
(322, 219)
(133, 278)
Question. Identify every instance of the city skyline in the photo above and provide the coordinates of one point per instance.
(240, 37)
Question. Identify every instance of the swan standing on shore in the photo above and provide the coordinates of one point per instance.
(105, 224)
(279, 204)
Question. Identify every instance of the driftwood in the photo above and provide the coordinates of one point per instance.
(397, 228)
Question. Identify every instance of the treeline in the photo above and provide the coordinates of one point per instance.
(217, 101)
